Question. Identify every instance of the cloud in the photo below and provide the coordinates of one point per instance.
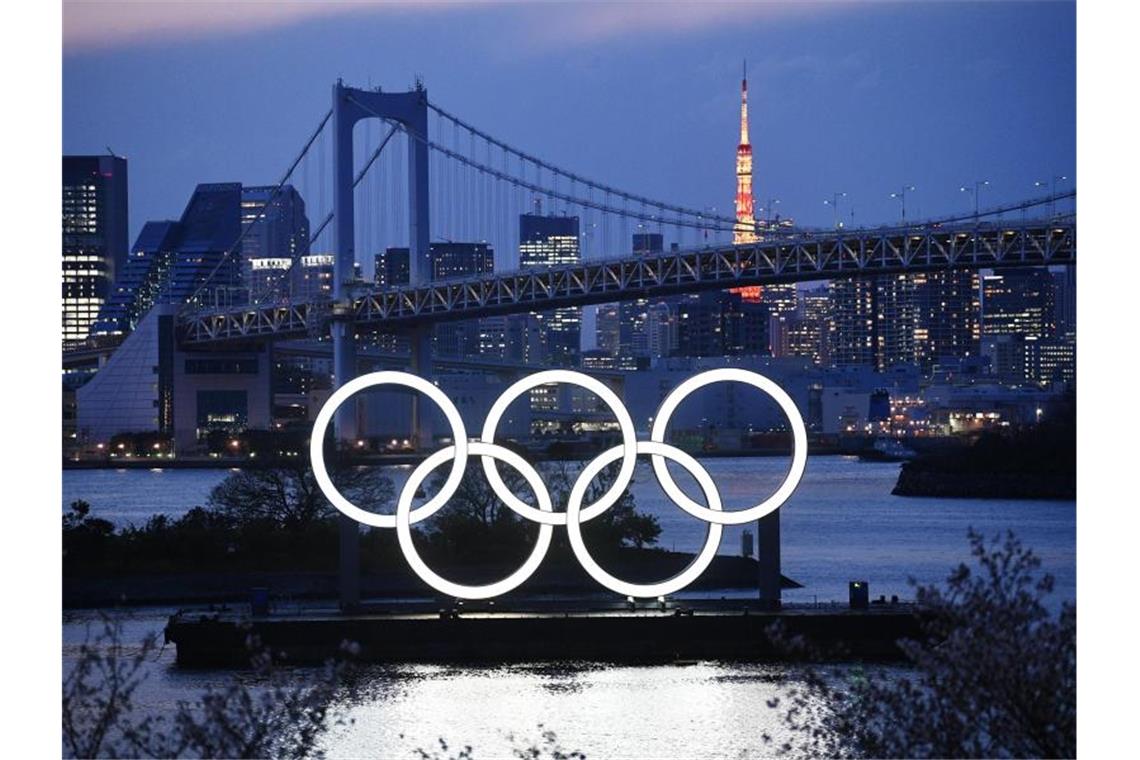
(108, 24)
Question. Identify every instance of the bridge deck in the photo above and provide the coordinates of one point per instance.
(803, 257)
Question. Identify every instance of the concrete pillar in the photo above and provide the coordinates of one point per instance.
(768, 556)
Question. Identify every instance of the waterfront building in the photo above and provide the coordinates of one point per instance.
(94, 205)
(546, 241)
(872, 321)
(947, 317)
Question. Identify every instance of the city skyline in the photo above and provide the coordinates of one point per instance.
(802, 159)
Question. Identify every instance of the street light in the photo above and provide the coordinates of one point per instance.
(769, 209)
(976, 191)
(901, 195)
(1053, 192)
(834, 203)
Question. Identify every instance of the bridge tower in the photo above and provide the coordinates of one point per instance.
(409, 110)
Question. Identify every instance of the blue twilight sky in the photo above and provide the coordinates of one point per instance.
(861, 97)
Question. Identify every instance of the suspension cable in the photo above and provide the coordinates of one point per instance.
(265, 208)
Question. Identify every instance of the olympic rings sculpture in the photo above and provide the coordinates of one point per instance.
(577, 512)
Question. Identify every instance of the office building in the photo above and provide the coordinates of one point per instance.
(721, 323)
(1019, 302)
(393, 267)
(142, 282)
(94, 205)
(451, 260)
(546, 241)
(278, 232)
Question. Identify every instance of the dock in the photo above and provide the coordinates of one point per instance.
(653, 633)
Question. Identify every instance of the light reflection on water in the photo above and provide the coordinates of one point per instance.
(698, 710)
(842, 524)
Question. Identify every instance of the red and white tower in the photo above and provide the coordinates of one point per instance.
(745, 231)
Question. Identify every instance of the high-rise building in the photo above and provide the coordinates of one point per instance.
(660, 329)
(607, 326)
(514, 338)
(208, 231)
(94, 237)
(851, 339)
(872, 321)
(393, 267)
(894, 320)
(1019, 302)
(947, 313)
(720, 323)
(142, 282)
(546, 241)
(450, 260)
(621, 327)
(807, 330)
(1065, 288)
(313, 276)
(278, 233)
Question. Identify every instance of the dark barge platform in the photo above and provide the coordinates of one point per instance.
(652, 634)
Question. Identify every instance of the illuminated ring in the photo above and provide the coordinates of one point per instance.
(628, 445)
(799, 452)
(404, 524)
(680, 580)
(317, 452)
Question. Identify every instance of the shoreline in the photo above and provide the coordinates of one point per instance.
(726, 572)
(396, 460)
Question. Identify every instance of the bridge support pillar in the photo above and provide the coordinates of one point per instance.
(350, 105)
(768, 556)
(422, 366)
(345, 425)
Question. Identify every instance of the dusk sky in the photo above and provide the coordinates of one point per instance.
(854, 97)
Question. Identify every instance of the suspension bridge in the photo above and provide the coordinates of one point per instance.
(404, 172)
(449, 180)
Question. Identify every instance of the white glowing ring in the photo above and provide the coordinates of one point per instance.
(799, 453)
(317, 452)
(438, 582)
(661, 588)
(628, 446)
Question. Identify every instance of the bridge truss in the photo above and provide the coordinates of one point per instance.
(801, 257)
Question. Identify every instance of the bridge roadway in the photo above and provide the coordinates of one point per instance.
(804, 256)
